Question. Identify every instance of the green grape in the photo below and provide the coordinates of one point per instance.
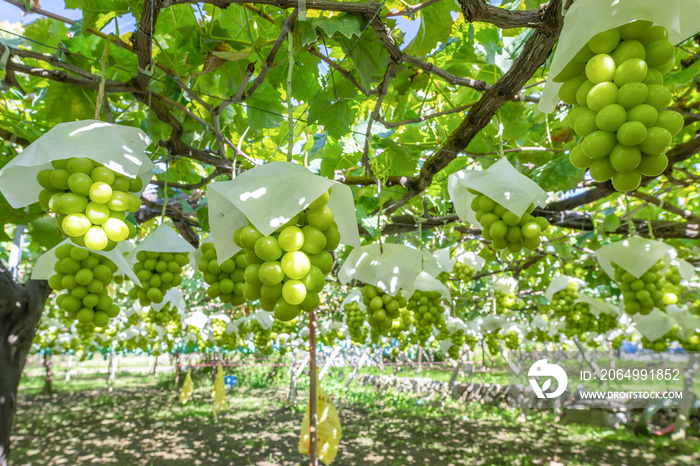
(382, 308)
(355, 320)
(158, 272)
(226, 280)
(655, 288)
(428, 312)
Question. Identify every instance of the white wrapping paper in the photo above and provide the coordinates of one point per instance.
(120, 148)
(269, 196)
(426, 282)
(636, 255)
(597, 306)
(559, 283)
(197, 319)
(501, 182)
(506, 285)
(491, 323)
(394, 269)
(688, 323)
(469, 258)
(233, 325)
(653, 325)
(264, 318)
(355, 296)
(442, 258)
(163, 239)
(174, 297)
(43, 269)
(587, 18)
(454, 324)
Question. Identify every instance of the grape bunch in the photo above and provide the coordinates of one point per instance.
(470, 340)
(228, 341)
(226, 281)
(382, 308)
(463, 272)
(286, 270)
(261, 337)
(504, 302)
(655, 288)
(400, 327)
(457, 343)
(90, 201)
(157, 272)
(512, 340)
(355, 319)
(506, 229)
(428, 311)
(615, 84)
(161, 317)
(491, 340)
(85, 276)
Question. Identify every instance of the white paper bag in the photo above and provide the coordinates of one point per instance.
(163, 239)
(688, 323)
(43, 269)
(119, 148)
(469, 258)
(636, 255)
(597, 306)
(174, 297)
(425, 282)
(394, 269)
(587, 18)
(506, 285)
(443, 260)
(559, 283)
(653, 325)
(501, 182)
(264, 318)
(269, 196)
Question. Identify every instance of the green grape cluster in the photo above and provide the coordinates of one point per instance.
(400, 327)
(228, 341)
(162, 317)
(615, 84)
(382, 308)
(226, 281)
(355, 319)
(617, 341)
(90, 201)
(470, 340)
(504, 302)
(279, 327)
(655, 288)
(577, 316)
(330, 337)
(157, 272)
(85, 276)
(662, 343)
(286, 270)
(261, 337)
(504, 228)
(428, 311)
(512, 340)
(457, 343)
(463, 272)
(491, 340)
(535, 334)
(605, 322)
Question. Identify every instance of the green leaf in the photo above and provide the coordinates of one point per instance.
(264, 108)
(435, 27)
(319, 143)
(684, 76)
(611, 223)
(557, 175)
(45, 231)
(336, 117)
(203, 217)
(345, 24)
(369, 56)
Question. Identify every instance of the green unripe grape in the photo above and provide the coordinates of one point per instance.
(660, 52)
(44, 178)
(85, 315)
(332, 238)
(155, 295)
(294, 292)
(644, 113)
(624, 158)
(611, 117)
(121, 183)
(100, 319)
(248, 236)
(321, 201)
(600, 69)
(314, 281)
(628, 181)
(670, 120)
(285, 311)
(582, 92)
(323, 260)
(80, 183)
(654, 76)
(296, 265)
(634, 30)
(135, 185)
(598, 144)
(320, 218)
(657, 141)
(59, 179)
(488, 219)
(270, 273)
(314, 240)
(510, 219)
(633, 70)
(268, 249)
(601, 169)
(578, 159)
(271, 293)
(601, 95)
(568, 90)
(659, 97)
(498, 230)
(100, 192)
(119, 201)
(631, 133)
(291, 239)
(75, 225)
(569, 71)
(604, 42)
(583, 55)
(632, 94)
(627, 50)
(103, 174)
(585, 123)
(653, 165)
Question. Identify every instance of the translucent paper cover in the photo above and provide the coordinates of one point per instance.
(501, 182)
(120, 148)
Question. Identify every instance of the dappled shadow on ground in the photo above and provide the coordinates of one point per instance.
(148, 427)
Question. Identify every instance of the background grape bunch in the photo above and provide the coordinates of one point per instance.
(655, 288)
(262, 338)
(428, 311)
(157, 272)
(504, 302)
(504, 228)
(286, 270)
(355, 319)
(463, 272)
(90, 201)
(457, 343)
(85, 276)
(382, 308)
(615, 84)
(226, 281)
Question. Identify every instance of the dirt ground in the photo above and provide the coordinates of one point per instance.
(148, 426)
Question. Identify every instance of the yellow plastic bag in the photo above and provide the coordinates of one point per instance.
(219, 390)
(329, 430)
(187, 387)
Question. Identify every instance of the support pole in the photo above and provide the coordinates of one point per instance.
(313, 419)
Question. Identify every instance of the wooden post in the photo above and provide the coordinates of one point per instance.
(420, 355)
(155, 366)
(313, 419)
